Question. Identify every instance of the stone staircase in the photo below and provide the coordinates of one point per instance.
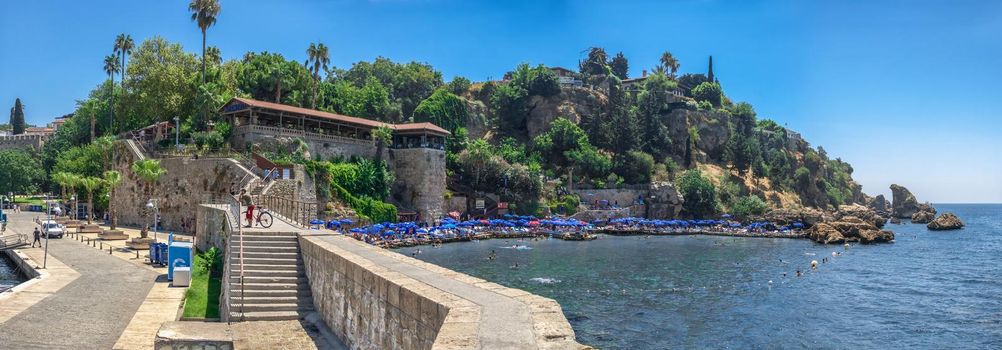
(275, 285)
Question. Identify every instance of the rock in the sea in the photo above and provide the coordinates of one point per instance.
(946, 221)
(879, 203)
(861, 212)
(850, 229)
(904, 205)
(922, 217)
(895, 220)
(825, 233)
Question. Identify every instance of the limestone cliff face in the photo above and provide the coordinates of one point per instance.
(712, 129)
(904, 204)
(573, 103)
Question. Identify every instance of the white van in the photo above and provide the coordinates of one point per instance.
(52, 229)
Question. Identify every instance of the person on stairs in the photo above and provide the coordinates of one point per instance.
(248, 201)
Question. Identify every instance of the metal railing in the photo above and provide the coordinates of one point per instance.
(277, 131)
(12, 241)
(298, 212)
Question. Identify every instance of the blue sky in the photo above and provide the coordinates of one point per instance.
(906, 91)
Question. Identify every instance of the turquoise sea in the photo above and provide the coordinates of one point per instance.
(928, 290)
(9, 277)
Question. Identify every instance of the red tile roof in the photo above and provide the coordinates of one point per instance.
(411, 127)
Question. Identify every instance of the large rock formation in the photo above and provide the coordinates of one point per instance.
(663, 201)
(849, 229)
(784, 216)
(904, 205)
(925, 214)
(866, 214)
(879, 203)
(946, 221)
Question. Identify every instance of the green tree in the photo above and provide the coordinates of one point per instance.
(620, 66)
(110, 67)
(635, 167)
(444, 109)
(409, 83)
(123, 48)
(111, 179)
(162, 84)
(653, 108)
(270, 77)
(566, 145)
(383, 136)
(596, 63)
(371, 101)
(668, 64)
(204, 13)
(459, 85)
(89, 185)
(699, 194)
(21, 173)
(318, 57)
(149, 172)
(18, 125)
(709, 92)
(749, 205)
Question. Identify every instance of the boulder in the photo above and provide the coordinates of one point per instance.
(895, 220)
(785, 216)
(861, 212)
(905, 205)
(664, 201)
(875, 236)
(855, 229)
(946, 221)
(922, 217)
(825, 234)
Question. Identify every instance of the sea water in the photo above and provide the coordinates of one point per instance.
(9, 276)
(929, 289)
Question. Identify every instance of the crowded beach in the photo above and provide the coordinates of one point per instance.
(407, 234)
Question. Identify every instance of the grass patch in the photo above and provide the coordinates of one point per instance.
(202, 297)
(29, 200)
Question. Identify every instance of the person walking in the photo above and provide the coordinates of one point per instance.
(248, 201)
(38, 238)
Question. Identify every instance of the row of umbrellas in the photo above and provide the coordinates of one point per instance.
(631, 221)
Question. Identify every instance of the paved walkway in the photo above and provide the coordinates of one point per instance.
(91, 312)
(506, 323)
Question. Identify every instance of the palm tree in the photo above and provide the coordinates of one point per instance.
(148, 171)
(68, 183)
(204, 13)
(318, 56)
(382, 135)
(111, 179)
(669, 64)
(63, 179)
(123, 48)
(110, 67)
(90, 184)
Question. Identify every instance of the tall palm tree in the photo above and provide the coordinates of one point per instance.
(123, 48)
(63, 180)
(148, 171)
(110, 67)
(111, 179)
(90, 184)
(669, 64)
(318, 56)
(204, 13)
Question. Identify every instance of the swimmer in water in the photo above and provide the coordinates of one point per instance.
(798, 273)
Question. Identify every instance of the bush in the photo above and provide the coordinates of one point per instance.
(459, 85)
(700, 197)
(749, 205)
(444, 109)
(635, 167)
(566, 204)
(709, 92)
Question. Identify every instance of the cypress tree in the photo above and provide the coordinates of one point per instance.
(17, 118)
(709, 73)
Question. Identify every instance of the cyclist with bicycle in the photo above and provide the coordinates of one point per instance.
(248, 201)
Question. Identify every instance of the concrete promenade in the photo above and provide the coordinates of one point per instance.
(89, 312)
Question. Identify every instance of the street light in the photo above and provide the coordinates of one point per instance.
(74, 200)
(177, 133)
(151, 205)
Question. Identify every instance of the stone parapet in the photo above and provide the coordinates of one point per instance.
(377, 299)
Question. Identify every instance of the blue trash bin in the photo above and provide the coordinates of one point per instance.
(179, 254)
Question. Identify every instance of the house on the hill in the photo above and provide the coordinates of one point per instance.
(567, 77)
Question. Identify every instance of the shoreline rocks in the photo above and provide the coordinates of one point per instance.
(904, 204)
(946, 221)
(849, 229)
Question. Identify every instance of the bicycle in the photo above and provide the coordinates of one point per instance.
(262, 218)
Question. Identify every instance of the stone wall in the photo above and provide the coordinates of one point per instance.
(625, 198)
(370, 306)
(420, 180)
(30, 142)
(187, 184)
(324, 147)
(211, 229)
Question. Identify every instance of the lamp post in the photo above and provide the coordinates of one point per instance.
(177, 133)
(73, 199)
(152, 205)
(48, 213)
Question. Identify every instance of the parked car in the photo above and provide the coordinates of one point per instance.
(51, 229)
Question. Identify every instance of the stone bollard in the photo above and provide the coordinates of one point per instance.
(109, 249)
(102, 245)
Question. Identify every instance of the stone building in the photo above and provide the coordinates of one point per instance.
(416, 154)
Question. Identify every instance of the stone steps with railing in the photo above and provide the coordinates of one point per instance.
(274, 284)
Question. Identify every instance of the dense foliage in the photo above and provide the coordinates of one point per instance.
(699, 193)
(20, 171)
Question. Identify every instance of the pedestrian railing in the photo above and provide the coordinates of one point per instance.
(13, 241)
(297, 212)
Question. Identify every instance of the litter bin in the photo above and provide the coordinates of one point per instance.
(182, 276)
(179, 254)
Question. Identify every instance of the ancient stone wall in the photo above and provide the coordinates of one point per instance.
(211, 229)
(29, 142)
(420, 180)
(187, 184)
(625, 197)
